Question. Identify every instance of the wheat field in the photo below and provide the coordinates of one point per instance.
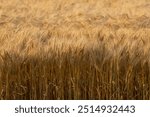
(74, 49)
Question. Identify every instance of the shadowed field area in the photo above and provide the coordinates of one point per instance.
(69, 49)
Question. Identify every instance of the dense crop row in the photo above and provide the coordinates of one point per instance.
(74, 50)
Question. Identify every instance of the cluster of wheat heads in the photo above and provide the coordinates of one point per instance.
(68, 49)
